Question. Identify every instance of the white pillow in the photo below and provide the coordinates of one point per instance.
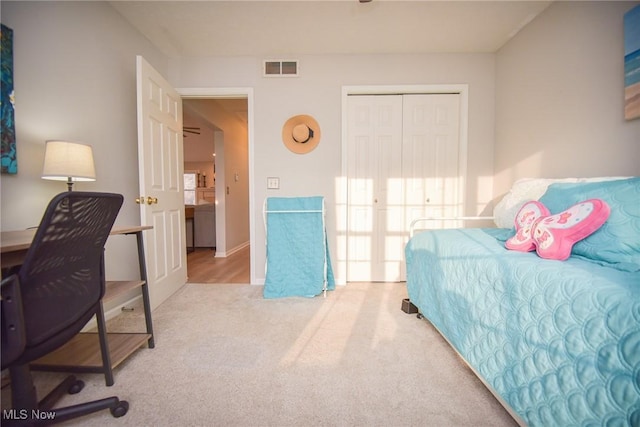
(527, 189)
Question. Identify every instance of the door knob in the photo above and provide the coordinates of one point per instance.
(150, 200)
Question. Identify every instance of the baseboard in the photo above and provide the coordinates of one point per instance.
(221, 254)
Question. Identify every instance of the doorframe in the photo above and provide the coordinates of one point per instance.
(427, 89)
(236, 92)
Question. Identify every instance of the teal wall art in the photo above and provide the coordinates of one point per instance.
(7, 115)
(632, 64)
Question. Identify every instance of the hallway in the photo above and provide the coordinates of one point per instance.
(203, 267)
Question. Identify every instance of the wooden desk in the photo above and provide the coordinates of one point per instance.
(14, 244)
(90, 352)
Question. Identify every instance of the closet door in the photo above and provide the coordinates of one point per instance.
(375, 200)
(402, 164)
(430, 156)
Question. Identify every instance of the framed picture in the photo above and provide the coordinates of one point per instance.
(8, 132)
(632, 64)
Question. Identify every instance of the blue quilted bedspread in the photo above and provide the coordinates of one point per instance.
(298, 261)
(559, 341)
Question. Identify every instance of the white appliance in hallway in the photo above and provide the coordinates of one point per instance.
(204, 217)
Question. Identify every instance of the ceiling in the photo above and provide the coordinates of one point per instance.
(267, 28)
(199, 147)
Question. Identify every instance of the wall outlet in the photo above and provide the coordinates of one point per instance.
(273, 183)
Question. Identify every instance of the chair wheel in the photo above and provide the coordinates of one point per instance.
(76, 387)
(120, 410)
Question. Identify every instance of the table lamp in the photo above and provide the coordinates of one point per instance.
(68, 161)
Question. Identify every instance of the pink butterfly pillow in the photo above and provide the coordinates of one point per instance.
(553, 236)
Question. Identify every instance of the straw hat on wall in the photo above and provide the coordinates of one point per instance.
(301, 134)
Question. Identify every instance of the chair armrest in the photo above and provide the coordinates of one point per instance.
(412, 225)
(13, 329)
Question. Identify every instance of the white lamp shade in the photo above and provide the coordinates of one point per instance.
(68, 161)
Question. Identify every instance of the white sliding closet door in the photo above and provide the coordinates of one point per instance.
(399, 161)
(374, 170)
(431, 145)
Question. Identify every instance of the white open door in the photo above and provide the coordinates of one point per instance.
(160, 161)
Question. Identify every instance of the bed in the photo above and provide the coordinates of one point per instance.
(557, 342)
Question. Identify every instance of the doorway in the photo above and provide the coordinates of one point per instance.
(216, 134)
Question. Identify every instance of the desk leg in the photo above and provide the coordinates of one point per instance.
(193, 235)
(104, 346)
(145, 288)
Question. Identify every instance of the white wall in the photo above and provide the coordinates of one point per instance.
(74, 78)
(560, 97)
(197, 147)
(318, 92)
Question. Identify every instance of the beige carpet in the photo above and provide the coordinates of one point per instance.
(225, 356)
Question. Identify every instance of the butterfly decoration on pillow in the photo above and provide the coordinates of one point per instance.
(553, 236)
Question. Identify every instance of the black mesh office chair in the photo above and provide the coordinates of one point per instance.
(52, 296)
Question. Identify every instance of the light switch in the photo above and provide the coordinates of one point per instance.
(273, 183)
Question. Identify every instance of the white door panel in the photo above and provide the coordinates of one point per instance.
(431, 154)
(160, 158)
(374, 171)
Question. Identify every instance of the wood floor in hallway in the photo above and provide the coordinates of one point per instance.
(204, 267)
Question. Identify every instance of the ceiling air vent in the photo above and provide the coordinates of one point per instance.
(280, 68)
